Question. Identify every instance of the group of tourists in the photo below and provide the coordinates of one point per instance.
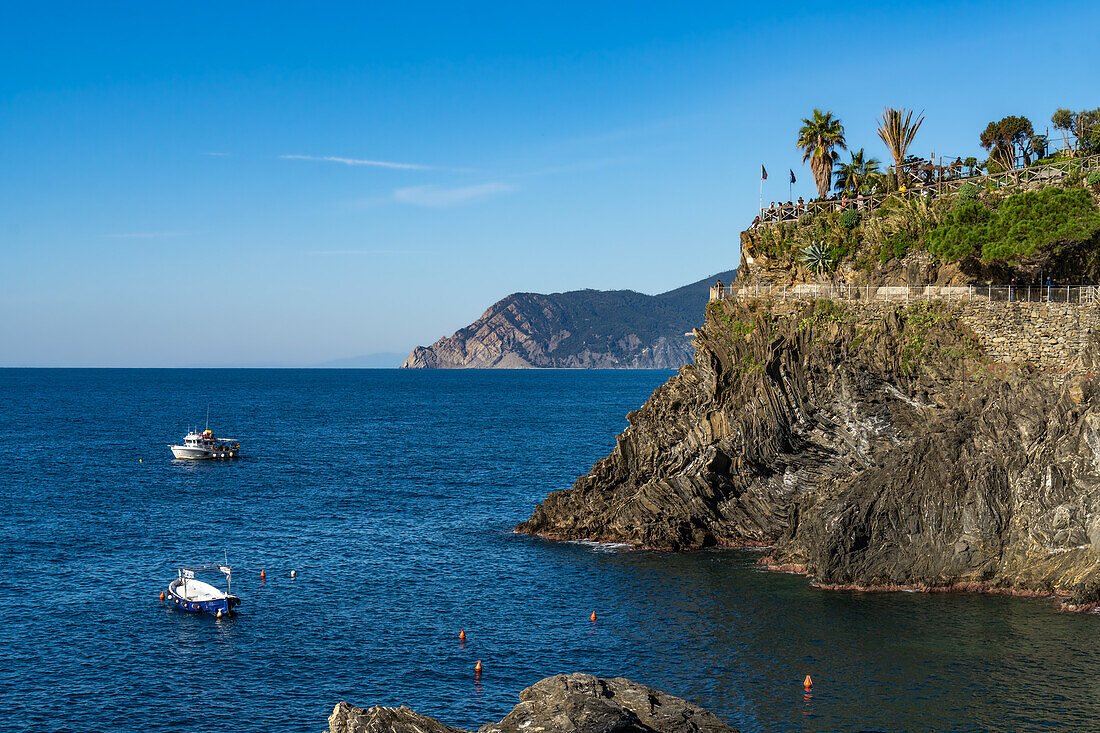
(921, 173)
(793, 210)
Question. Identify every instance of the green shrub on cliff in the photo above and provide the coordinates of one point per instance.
(967, 192)
(787, 244)
(896, 247)
(1018, 228)
(901, 219)
(961, 235)
(849, 219)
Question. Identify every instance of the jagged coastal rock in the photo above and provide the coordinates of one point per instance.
(873, 448)
(579, 329)
(575, 703)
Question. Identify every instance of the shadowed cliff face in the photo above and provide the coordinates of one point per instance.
(881, 453)
(579, 329)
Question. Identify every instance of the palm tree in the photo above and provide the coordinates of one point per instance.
(817, 139)
(897, 134)
(857, 176)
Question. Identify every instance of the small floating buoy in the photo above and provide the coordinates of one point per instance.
(808, 683)
(219, 613)
(293, 573)
(592, 618)
(462, 634)
(262, 575)
(162, 595)
(139, 460)
(477, 667)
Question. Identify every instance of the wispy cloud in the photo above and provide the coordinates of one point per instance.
(143, 235)
(436, 196)
(358, 161)
(220, 155)
(578, 166)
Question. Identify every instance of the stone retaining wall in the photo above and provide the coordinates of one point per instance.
(1051, 336)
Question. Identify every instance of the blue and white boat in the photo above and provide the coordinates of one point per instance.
(188, 593)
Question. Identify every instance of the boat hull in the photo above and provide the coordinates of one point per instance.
(183, 452)
(226, 606)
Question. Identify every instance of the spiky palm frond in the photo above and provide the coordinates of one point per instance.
(912, 216)
(818, 139)
(857, 176)
(897, 131)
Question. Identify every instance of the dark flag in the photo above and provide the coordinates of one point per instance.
(763, 173)
(792, 175)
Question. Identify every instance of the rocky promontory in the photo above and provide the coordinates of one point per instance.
(593, 329)
(869, 447)
(932, 422)
(575, 703)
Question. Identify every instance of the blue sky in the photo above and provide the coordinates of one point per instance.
(293, 183)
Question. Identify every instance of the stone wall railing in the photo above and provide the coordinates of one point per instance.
(1053, 329)
(1073, 294)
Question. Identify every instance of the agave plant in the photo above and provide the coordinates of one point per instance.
(815, 257)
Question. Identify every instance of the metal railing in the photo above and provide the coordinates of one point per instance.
(1073, 294)
(1046, 173)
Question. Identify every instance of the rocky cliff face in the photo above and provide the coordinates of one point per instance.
(579, 329)
(867, 452)
(576, 703)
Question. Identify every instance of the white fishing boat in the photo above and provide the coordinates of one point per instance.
(205, 445)
(187, 593)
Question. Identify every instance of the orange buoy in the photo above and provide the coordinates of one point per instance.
(808, 683)
(462, 634)
(162, 595)
(592, 618)
(262, 575)
(477, 667)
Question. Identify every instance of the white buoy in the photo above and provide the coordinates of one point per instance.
(293, 573)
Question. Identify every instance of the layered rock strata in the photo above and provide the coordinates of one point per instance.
(575, 703)
(592, 329)
(873, 451)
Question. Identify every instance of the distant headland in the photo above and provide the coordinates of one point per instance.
(594, 329)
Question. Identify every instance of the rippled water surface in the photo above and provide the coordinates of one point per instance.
(393, 495)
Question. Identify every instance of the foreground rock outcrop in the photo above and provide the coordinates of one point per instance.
(865, 449)
(580, 329)
(575, 703)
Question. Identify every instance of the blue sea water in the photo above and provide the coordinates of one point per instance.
(393, 495)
